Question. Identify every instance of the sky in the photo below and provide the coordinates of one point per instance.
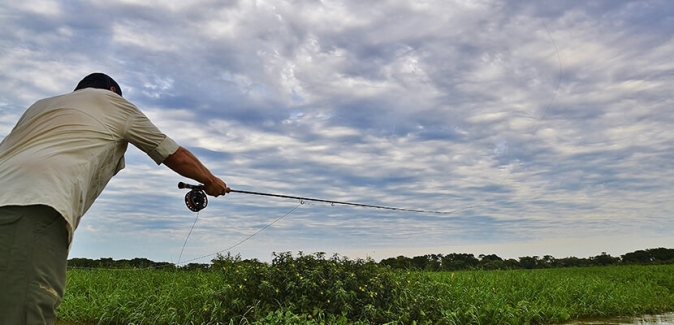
(540, 127)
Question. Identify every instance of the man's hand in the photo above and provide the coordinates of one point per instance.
(216, 188)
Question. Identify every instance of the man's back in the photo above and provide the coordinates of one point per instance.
(65, 149)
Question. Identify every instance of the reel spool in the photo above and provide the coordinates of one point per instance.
(196, 199)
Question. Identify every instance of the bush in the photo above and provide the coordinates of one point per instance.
(311, 285)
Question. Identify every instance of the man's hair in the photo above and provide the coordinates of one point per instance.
(99, 80)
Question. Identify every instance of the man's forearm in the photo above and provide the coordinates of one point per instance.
(186, 164)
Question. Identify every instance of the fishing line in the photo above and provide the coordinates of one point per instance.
(188, 237)
(196, 200)
(242, 241)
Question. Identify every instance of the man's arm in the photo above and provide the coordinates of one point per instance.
(186, 164)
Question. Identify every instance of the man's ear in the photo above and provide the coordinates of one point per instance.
(113, 89)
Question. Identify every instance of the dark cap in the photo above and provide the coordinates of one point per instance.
(99, 80)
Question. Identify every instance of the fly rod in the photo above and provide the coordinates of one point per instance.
(197, 200)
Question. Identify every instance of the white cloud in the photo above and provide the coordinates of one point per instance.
(442, 105)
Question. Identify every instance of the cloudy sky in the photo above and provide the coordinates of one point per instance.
(545, 127)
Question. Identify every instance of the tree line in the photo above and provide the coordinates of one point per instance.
(429, 262)
(109, 263)
(461, 261)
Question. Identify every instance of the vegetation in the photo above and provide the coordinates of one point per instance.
(433, 262)
(315, 289)
(455, 262)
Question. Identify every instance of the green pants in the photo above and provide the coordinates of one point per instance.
(33, 258)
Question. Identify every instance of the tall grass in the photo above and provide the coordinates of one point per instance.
(313, 289)
(545, 296)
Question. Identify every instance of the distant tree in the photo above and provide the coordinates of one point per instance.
(547, 262)
(489, 258)
(434, 262)
(459, 261)
(605, 259)
(572, 262)
(493, 265)
(637, 257)
(511, 264)
(196, 267)
(530, 262)
(141, 263)
(106, 263)
(661, 254)
(164, 266)
(399, 262)
(82, 263)
(490, 262)
(419, 262)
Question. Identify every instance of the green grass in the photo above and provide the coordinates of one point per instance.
(553, 295)
(313, 289)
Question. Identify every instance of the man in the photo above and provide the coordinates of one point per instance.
(53, 165)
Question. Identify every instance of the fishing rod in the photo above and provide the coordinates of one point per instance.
(196, 200)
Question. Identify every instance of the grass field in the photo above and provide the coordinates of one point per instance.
(313, 289)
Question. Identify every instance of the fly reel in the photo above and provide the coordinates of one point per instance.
(196, 199)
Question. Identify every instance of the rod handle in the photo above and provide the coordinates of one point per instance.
(190, 186)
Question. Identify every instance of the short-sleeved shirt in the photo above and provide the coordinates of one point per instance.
(64, 150)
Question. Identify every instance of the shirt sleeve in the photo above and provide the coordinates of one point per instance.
(166, 148)
(143, 134)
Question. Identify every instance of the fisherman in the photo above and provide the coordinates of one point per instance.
(53, 165)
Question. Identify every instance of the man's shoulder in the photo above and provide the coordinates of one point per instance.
(77, 95)
(95, 96)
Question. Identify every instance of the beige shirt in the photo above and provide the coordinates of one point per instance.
(65, 149)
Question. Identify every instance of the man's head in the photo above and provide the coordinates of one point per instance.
(101, 81)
